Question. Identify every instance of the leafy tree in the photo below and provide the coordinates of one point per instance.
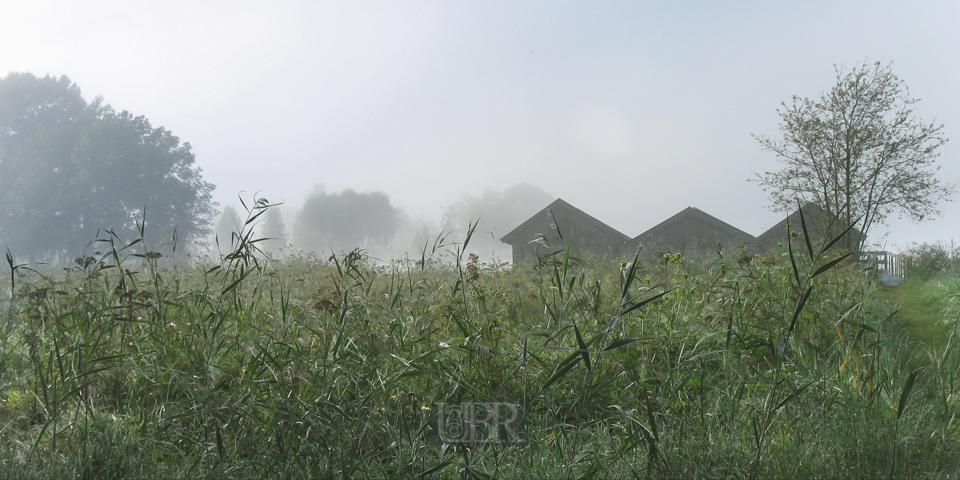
(345, 220)
(40, 122)
(69, 168)
(858, 151)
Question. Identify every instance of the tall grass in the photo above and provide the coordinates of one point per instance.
(129, 365)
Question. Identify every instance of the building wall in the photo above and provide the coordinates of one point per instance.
(692, 235)
(583, 237)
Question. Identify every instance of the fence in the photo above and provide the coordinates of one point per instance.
(890, 262)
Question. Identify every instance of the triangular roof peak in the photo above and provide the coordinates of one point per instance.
(693, 212)
(561, 205)
(815, 216)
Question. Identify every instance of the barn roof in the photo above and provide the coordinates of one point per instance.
(559, 205)
(815, 216)
(698, 215)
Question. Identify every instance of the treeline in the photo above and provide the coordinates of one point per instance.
(341, 221)
(73, 172)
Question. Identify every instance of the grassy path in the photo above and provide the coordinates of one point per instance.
(921, 306)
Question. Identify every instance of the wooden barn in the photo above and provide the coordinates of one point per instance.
(817, 220)
(560, 225)
(691, 231)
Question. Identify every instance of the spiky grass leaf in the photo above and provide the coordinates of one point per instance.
(905, 394)
(627, 280)
(583, 348)
(73, 392)
(437, 468)
(800, 304)
(865, 327)
(644, 302)
(793, 260)
(562, 368)
(806, 234)
(836, 239)
(555, 226)
(13, 272)
(794, 394)
(471, 227)
(625, 341)
(832, 263)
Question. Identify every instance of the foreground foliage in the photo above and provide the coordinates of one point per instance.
(789, 366)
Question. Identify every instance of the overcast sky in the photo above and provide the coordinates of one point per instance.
(630, 111)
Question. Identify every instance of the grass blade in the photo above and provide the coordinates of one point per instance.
(627, 280)
(830, 264)
(583, 348)
(793, 260)
(836, 239)
(625, 341)
(905, 394)
(806, 234)
(644, 302)
(562, 369)
(437, 468)
(800, 304)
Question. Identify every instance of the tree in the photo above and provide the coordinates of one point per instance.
(345, 220)
(229, 226)
(274, 230)
(497, 212)
(69, 169)
(858, 152)
(40, 122)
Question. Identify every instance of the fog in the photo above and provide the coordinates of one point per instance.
(629, 111)
(337, 222)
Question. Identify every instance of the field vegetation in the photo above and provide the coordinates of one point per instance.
(795, 364)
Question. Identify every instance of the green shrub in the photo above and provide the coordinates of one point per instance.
(927, 260)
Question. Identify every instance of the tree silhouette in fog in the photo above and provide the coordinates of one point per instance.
(274, 230)
(69, 169)
(227, 227)
(498, 212)
(345, 220)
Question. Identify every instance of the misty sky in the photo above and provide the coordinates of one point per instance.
(630, 111)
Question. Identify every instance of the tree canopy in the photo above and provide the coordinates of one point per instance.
(858, 151)
(69, 168)
(345, 220)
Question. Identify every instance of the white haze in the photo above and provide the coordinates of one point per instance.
(630, 111)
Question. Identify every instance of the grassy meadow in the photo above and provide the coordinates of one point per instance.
(795, 364)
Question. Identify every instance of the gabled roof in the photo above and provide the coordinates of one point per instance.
(699, 216)
(815, 216)
(559, 205)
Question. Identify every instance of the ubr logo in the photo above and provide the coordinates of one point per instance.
(470, 422)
